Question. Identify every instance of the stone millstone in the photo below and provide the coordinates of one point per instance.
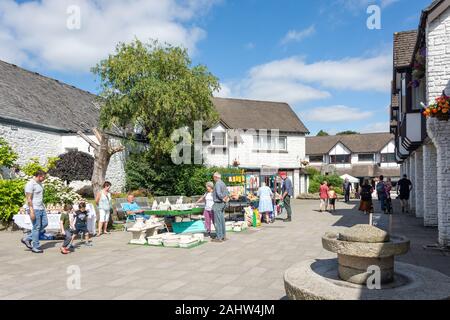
(364, 233)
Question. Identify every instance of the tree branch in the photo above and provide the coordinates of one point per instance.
(89, 140)
(114, 150)
(98, 135)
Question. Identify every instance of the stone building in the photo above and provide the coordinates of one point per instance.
(421, 74)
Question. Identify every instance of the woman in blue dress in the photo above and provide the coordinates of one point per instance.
(265, 202)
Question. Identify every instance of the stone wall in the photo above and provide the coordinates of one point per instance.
(430, 208)
(418, 182)
(30, 143)
(412, 175)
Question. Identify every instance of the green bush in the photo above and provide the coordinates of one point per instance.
(317, 179)
(165, 178)
(34, 166)
(12, 198)
(7, 156)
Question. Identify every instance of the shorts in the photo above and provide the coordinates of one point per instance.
(81, 228)
(404, 197)
(332, 202)
(323, 202)
(103, 215)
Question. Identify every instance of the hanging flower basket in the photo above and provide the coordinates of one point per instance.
(440, 109)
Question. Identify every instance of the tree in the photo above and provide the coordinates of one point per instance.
(103, 151)
(322, 134)
(347, 133)
(154, 89)
(7, 155)
(73, 166)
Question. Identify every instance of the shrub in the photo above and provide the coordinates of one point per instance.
(7, 156)
(166, 178)
(56, 192)
(334, 180)
(73, 166)
(12, 198)
(34, 166)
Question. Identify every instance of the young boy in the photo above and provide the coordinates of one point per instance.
(64, 224)
(332, 195)
(81, 217)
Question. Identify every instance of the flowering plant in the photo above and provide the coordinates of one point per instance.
(439, 109)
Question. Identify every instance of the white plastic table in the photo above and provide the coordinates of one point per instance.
(24, 221)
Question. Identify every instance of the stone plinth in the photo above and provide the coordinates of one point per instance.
(362, 246)
(318, 280)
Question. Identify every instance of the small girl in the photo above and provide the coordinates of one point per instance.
(209, 202)
(64, 224)
(332, 195)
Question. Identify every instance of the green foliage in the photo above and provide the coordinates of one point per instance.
(56, 192)
(34, 166)
(154, 87)
(12, 197)
(73, 166)
(347, 133)
(317, 179)
(7, 155)
(165, 178)
(312, 172)
(322, 134)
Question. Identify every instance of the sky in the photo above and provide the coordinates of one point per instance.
(319, 56)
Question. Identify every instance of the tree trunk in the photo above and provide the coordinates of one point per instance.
(103, 152)
(101, 162)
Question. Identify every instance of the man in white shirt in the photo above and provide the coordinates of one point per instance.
(34, 192)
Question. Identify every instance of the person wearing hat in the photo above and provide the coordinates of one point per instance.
(287, 192)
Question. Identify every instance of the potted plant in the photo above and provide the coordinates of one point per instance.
(439, 109)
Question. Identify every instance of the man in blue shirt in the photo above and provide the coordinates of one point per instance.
(287, 192)
(132, 208)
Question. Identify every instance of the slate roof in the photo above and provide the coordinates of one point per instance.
(404, 44)
(357, 143)
(251, 114)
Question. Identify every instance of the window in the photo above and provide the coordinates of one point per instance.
(366, 157)
(343, 158)
(268, 143)
(316, 158)
(388, 158)
(218, 139)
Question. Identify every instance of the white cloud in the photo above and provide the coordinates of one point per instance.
(298, 35)
(336, 114)
(358, 74)
(37, 31)
(376, 127)
(250, 46)
(225, 91)
(361, 4)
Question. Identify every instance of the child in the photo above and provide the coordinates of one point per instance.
(209, 202)
(64, 224)
(81, 217)
(332, 196)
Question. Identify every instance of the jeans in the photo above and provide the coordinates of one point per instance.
(383, 200)
(68, 238)
(347, 196)
(287, 206)
(219, 220)
(39, 225)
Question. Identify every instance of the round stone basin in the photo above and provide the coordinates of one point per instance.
(363, 247)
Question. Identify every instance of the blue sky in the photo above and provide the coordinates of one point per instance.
(317, 55)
